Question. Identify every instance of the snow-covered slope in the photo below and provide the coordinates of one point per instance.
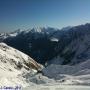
(66, 74)
(14, 65)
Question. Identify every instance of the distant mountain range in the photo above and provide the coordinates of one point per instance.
(70, 45)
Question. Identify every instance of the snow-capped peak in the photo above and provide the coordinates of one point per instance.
(15, 33)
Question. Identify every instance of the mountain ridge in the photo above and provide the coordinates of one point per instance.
(43, 46)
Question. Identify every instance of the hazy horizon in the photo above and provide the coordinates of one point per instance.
(24, 14)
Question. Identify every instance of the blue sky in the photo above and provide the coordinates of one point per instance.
(26, 14)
